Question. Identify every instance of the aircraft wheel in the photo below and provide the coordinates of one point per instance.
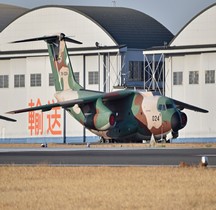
(161, 141)
(175, 135)
(168, 141)
(102, 140)
(114, 141)
(107, 141)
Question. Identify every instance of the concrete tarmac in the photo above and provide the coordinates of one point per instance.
(106, 156)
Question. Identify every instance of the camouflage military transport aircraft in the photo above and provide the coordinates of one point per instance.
(125, 115)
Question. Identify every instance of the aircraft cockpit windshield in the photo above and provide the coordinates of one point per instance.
(164, 107)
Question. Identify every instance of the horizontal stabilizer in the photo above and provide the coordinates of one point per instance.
(50, 39)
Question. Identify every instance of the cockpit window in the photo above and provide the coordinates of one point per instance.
(169, 106)
(163, 107)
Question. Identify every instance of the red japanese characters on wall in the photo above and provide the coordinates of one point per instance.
(40, 123)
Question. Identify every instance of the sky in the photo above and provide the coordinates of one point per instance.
(173, 14)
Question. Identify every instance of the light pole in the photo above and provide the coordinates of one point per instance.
(64, 126)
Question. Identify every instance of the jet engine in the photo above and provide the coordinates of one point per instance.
(183, 120)
(178, 121)
(102, 120)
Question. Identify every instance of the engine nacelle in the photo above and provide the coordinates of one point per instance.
(178, 121)
(183, 119)
(102, 120)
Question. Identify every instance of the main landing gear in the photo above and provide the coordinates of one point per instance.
(106, 141)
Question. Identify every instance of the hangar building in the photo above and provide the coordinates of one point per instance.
(111, 55)
(190, 68)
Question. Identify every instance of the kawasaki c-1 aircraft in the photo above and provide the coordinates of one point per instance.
(125, 115)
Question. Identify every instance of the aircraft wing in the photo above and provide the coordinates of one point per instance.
(117, 95)
(7, 118)
(180, 105)
(48, 107)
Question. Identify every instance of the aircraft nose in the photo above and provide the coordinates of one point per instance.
(176, 122)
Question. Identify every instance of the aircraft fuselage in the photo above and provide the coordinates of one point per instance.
(133, 118)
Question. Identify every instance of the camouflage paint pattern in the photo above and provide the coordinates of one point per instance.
(102, 116)
(61, 66)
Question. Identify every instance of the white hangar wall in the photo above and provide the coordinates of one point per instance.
(203, 95)
(191, 72)
(28, 125)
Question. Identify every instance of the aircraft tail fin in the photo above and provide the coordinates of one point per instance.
(60, 62)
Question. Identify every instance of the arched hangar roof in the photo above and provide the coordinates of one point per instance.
(122, 26)
(128, 26)
(200, 30)
(8, 13)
